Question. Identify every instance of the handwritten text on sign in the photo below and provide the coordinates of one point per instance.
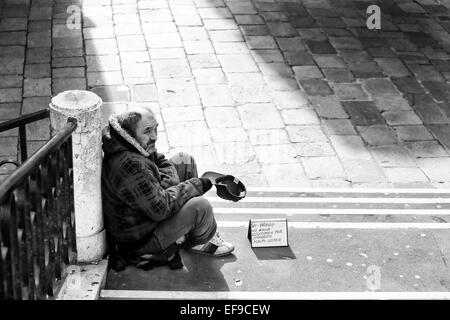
(268, 233)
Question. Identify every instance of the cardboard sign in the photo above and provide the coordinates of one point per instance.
(268, 233)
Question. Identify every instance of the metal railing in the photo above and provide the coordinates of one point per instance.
(37, 223)
(21, 123)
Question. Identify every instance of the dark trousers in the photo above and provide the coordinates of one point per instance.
(195, 220)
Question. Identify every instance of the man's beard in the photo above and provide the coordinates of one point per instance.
(151, 147)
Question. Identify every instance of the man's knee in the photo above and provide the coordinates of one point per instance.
(182, 158)
(200, 204)
(198, 209)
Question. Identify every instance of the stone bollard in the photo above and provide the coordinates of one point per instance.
(84, 106)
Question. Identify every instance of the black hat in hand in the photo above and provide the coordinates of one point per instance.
(228, 187)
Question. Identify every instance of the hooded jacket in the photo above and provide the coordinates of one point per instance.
(138, 189)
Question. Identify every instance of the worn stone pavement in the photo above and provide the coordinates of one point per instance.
(280, 93)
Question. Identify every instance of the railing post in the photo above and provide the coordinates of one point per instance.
(84, 106)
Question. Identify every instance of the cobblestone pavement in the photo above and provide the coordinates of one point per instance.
(280, 93)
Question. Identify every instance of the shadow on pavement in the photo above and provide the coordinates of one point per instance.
(282, 253)
(200, 273)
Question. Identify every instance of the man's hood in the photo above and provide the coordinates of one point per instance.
(116, 139)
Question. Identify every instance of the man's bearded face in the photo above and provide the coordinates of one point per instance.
(147, 132)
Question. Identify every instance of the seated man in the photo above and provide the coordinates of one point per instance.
(150, 203)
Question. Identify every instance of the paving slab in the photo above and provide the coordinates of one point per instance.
(316, 87)
(377, 135)
(348, 91)
(339, 127)
(403, 117)
(269, 136)
(392, 156)
(363, 112)
(329, 107)
(306, 133)
(413, 133)
(425, 149)
(408, 85)
(338, 75)
(290, 99)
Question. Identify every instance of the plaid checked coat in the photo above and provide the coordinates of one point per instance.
(139, 190)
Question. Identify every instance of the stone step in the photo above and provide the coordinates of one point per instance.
(264, 295)
(318, 264)
(326, 208)
(333, 205)
(390, 193)
(323, 219)
(343, 211)
(347, 225)
(335, 235)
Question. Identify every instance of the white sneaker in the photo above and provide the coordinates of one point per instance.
(215, 247)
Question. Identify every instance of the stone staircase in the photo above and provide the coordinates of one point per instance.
(342, 243)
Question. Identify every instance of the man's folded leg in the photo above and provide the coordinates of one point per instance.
(196, 222)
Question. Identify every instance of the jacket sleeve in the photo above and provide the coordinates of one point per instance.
(168, 172)
(143, 193)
